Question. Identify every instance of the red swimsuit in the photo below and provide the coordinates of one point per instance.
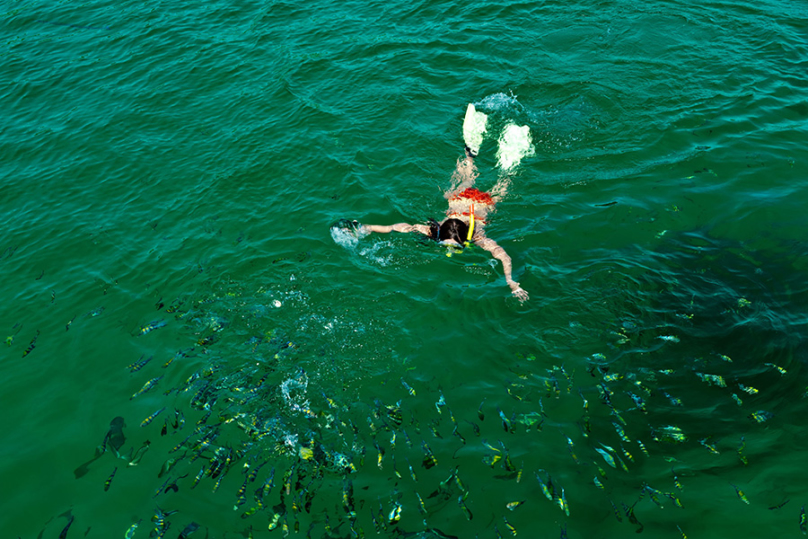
(474, 194)
(471, 195)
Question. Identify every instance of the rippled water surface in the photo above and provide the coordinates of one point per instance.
(169, 181)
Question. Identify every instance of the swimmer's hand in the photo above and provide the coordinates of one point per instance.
(519, 292)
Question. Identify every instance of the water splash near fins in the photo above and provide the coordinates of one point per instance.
(515, 143)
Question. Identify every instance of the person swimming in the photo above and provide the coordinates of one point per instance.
(469, 208)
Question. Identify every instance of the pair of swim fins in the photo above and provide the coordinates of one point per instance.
(514, 142)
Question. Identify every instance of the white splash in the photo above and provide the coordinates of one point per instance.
(515, 143)
(349, 239)
(294, 393)
(371, 253)
(498, 101)
(346, 237)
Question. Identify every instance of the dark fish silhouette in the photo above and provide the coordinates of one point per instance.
(70, 517)
(188, 530)
(113, 440)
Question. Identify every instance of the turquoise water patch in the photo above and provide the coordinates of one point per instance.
(189, 346)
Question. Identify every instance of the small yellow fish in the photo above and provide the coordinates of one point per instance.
(639, 402)
(380, 458)
(151, 326)
(409, 389)
(562, 503)
(740, 494)
(741, 447)
(151, 417)
(621, 432)
(760, 416)
(147, 386)
(779, 369)
(466, 511)
(627, 454)
(429, 458)
(491, 460)
(607, 457)
(512, 393)
(513, 505)
(395, 514)
(508, 524)
(709, 446)
(421, 506)
(617, 415)
(109, 481)
(544, 487)
(571, 447)
(458, 482)
(673, 434)
(642, 447)
(642, 387)
(676, 482)
(412, 472)
(712, 379)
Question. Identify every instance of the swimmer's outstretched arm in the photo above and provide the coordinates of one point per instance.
(500, 254)
(398, 227)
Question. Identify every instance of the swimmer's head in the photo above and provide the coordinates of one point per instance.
(451, 231)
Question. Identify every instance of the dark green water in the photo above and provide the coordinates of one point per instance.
(184, 164)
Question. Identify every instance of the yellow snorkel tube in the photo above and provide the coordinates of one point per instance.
(468, 236)
(471, 226)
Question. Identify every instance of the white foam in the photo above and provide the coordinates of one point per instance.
(346, 237)
(514, 145)
(498, 101)
(474, 128)
(371, 253)
(294, 393)
(349, 239)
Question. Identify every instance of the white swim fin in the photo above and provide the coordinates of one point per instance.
(473, 129)
(514, 145)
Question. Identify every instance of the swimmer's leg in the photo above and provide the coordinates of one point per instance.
(466, 172)
(463, 177)
(500, 189)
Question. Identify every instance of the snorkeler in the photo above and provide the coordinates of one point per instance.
(468, 206)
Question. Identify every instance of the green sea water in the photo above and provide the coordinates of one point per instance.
(182, 165)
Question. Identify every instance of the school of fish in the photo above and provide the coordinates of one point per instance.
(290, 456)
